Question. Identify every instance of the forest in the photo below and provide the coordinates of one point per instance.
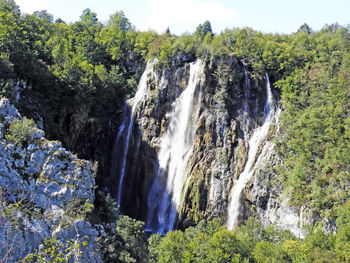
(94, 67)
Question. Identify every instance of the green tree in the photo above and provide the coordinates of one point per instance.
(134, 240)
(117, 36)
(203, 30)
(266, 252)
(172, 247)
(153, 243)
(342, 241)
(88, 17)
(305, 28)
(224, 247)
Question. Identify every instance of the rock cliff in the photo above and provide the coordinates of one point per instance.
(44, 192)
(232, 99)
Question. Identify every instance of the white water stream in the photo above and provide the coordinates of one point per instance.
(255, 144)
(164, 197)
(129, 122)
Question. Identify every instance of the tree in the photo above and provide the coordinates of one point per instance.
(153, 243)
(143, 41)
(342, 242)
(172, 247)
(89, 17)
(9, 6)
(117, 37)
(44, 15)
(119, 22)
(331, 28)
(6, 66)
(224, 247)
(133, 235)
(59, 20)
(202, 30)
(266, 252)
(305, 28)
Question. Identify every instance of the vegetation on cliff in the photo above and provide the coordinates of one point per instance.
(91, 67)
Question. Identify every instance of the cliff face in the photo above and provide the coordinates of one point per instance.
(231, 103)
(43, 191)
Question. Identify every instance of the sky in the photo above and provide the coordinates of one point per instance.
(268, 16)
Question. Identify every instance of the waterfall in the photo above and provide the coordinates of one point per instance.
(301, 220)
(121, 146)
(164, 197)
(255, 143)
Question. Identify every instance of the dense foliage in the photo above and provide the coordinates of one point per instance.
(315, 146)
(66, 68)
(212, 242)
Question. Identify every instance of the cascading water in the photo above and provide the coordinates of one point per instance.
(121, 146)
(176, 144)
(255, 141)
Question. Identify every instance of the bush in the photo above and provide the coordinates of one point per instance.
(55, 251)
(105, 209)
(19, 131)
(127, 244)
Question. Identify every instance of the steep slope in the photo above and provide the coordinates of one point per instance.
(45, 193)
(232, 106)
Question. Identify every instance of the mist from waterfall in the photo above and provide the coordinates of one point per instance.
(255, 144)
(164, 197)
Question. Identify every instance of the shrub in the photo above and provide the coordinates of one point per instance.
(55, 251)
(19, 131)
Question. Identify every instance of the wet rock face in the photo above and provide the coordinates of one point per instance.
(231, 108)
(151, 121)
(219, 149)
(270, 205)
(43, 178)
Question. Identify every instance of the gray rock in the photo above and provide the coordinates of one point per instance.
(78, 231)
(2, 131)
(48, 177)
(8, 111)
(37, 134)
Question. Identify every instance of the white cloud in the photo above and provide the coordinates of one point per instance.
(29, 6)
(183, 14)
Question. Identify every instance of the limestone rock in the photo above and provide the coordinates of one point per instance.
(231, 108)
(38, 183)
(8, 111)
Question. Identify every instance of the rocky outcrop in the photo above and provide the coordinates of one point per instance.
(44, 193)
(265, 200)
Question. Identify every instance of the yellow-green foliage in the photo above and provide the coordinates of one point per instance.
(19, 131)
(315, 146)
(211, 242)
(57, 251)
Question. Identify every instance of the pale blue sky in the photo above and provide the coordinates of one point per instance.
(282, 16)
